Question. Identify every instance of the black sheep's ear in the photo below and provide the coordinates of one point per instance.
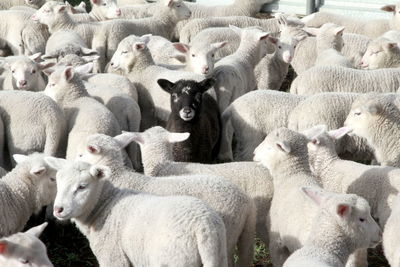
(166, 85)
(207, 84)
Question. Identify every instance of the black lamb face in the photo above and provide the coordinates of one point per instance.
(186, 96)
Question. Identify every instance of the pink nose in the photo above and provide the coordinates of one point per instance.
(118, 12)
(58, 210)
(205, 70)
(33, 17)
(288, 59)
(22, 82)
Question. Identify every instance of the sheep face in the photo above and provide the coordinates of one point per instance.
(200, 58)
(43, 176)
(49, 13)
(395, 9)
(108, 8)
(186, 96)
(58, 82)
(178, 9)
(24, 249)
(379, 54)
(350, 213)
(78, 187)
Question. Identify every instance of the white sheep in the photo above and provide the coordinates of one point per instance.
(330, 109)
(329, 45)
(24, 191)
(64, 42)
(305, 56)
(144, 230)
(390, 237)
(254, 180)
(85, 116)
(235, 208)
(24, 73)
(271, 71)
(36, 125)
(250, 118)
(163, 51)
(375, 117)
(134, 59)
(21, 249)
(340, 79)
(381, 53)
(284, 153)
(234, 74)
(101, 10)
(341, 226)
(371, 28)
(7, 4)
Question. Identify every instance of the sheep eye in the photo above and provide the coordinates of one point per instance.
(280, 47)
(213, 55)
(362, 220)
(104, 4)
(52, 179)
(13, 71)
(193, 55)
(295, 46)
(82, 186)
(24, 261)
(357, 113)
(33, 71)
(178, 6)
(124, 52)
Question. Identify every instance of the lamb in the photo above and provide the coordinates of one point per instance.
(325, 79)
(284, 153)
(7, 4)
(37, 125)
(354, 48)
(85, 116)
(24, 248)
(250, 118)
(65, 42)
(234, 74)
(375, 117)
(137, 64)
(330, 109)
(253, 179)
(235, 208)
(390, 237)
(79, 9)
(25, 190)
(272, 69)
(378, 185)
(194, 234)
(198, 58)
(381, 53)
(336, 225)
(196, 112)
(101, 10)
(24, 73)
(163, 51)
(329, 44)
(371, 28)
(20, 35)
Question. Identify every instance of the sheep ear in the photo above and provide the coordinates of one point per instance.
(339, 133)
(82, 5)
(61, 8)
(390, 46)
(300, 37)
(84, 69)
(37, 230)
(139, 46)
(311, 31)
(169, 3)
(95, 1)
(219, 45)
(35, 57)
(343, 210)
(49, 56)
(339, 30)
(237, 30)
(91, 58)
(183, 48)
(3, 246)
(374, 108)
(20, 158)
(207, 84)
(100, 172)
(68, 73)
(93, 149)
(48, 71)
(55, 163)
(283, 146)
(264, 36)
(166, 85)
(273, 40)
(389, 8)
(179, 56)
(124, 139)
(314, 193)
(38, 171)
(177, 137)
(315, 131)
(137, 137)
(315, 141)
(146, 38)
(45, 65)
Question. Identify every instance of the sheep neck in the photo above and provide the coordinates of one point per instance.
(321, 161)
(169, 22)
(156, 157)
(292, 167)
(385, 139)
(96, 14)
(248, 53)
(143, 61)
(246, 8)
(75, 90)
(329, 236)
(324, 45)
(64, 22)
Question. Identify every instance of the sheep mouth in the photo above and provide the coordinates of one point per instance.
(186, 116)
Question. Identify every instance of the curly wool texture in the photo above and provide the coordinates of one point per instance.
(235, 208)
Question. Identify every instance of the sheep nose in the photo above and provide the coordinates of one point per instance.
(186, 110)
(58, 210)
(118, 12)
(205, 70)
(22, 82)
(112, 63)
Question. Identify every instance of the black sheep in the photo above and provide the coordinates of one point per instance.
(195, 112)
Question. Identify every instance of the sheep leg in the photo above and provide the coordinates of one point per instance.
(358, 259)
(278, 252)
(225, 153)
